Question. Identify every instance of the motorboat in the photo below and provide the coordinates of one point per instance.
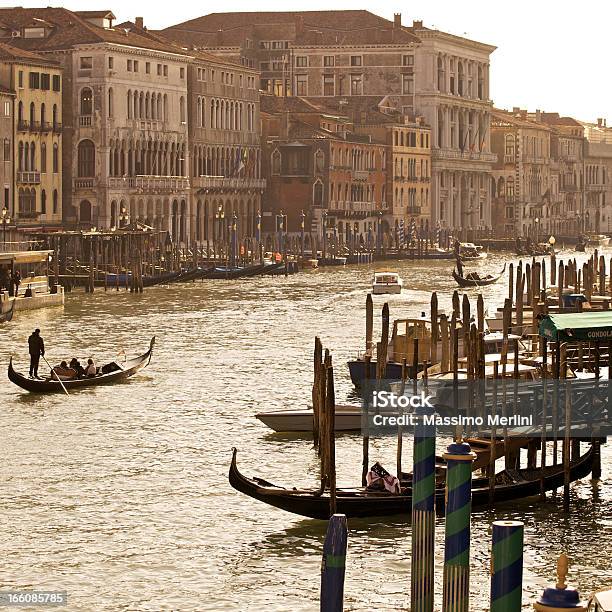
(386, 282)
(469, 250)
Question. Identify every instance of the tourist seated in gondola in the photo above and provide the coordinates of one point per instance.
(63, 372)
(75, 364)
(91, 369)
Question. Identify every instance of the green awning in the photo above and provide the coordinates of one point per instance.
(578, 326)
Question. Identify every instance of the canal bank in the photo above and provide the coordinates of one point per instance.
(128, 487)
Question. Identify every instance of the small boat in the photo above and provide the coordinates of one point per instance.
(332, 261)
(598, 240)
(359, 502)
(230, 272)
(601, 601)
(109, 373)
(347, 418)
(386, 282)
(469, 250)
(5, 317)
(473, 279)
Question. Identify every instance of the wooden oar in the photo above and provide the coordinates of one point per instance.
(56, 375)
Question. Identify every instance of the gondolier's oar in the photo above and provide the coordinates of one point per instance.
(56, 375)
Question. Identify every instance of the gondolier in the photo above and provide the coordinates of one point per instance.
(36, 347)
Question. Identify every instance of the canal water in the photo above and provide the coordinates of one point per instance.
(119, 495)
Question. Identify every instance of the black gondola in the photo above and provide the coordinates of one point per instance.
(114, 373)
(474, 280)
(8, 315)
(358, 502)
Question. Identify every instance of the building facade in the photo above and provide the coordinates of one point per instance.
(7, 168)
(414, 71)
(36, 189)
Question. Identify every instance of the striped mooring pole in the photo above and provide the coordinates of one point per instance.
(560, 597)
(507, 566)
(333, 565)
(423, 514)
(456, 580)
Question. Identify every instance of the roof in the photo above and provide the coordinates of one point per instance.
(10, 53)
(6, 91)
(516, 119)
(579, 326)
(279, 104)
(67, 29)
(555, 119)
(95, 14)
(302, 28)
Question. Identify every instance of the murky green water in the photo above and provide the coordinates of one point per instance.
(119, 495)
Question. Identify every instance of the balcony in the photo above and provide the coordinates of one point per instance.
(353, 207)
(360, 175)
(222, 182)
(147, 124)
(85, 183)
(413, 210)
(45, 126)
(28, 214)
(85, 121)
(28, 178)
(149, 184)
(22, 126)
(34, 126)
(454, 154)
(596, 187)
(57, 128)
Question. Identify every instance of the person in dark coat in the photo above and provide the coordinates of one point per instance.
(36, 347)
(16, 281)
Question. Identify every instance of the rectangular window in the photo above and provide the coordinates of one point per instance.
(165, 70)
(356, 84)
(329, 61)
(56, 82)
(20, 78)
(129, 65)
(148, 67)
(182, 72)
(110, 63)
(86, 63)
(7, 196)
(7, 149)
(356, 60)
(264, 65)
(159, 69)
(407, 84)
(212, 76)
(240, 81)
(301, 85)
(34, 80)
(301, 61)
(135, 65)
(407, 60)
(7, 109)
(329, 85)
(45, 81)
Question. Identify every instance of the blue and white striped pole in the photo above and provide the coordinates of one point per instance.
(334, 564)
(507, 566)
(456, 581)
(423, 514)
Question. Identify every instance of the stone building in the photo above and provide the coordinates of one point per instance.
(318, 166)
(525, 193)
(7, 168)
(415, 71)
(35, 111)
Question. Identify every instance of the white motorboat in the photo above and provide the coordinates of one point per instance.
(599, 240)
(386, 282)
(347, 418)
(469, 250)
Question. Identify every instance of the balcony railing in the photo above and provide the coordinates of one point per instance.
(222, 182)
(34, 126)
(348, 206)
(22, 126)
(85, 183)
(147, 124)
(360, 175)
(596, 187)
(413, 210)
(28, 178)
(45, 126)
(145, 183)
(57, 127)
(467, 155)
(28, 214)
(85, 121)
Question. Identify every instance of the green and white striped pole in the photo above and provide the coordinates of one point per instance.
(456, 581)
(423, 514)
(333, 566)
(507, 566)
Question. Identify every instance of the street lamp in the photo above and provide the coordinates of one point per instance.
(5, 219)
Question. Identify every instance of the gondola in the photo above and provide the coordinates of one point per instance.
(118, 371)
(8, 315)
(358, 502)
(470, 281)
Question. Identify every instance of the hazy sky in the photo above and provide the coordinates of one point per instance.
(551, 55)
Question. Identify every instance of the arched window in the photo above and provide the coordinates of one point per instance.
(85, 211)
(203, 113)
(55, 210)
(86, 158)
(441, 75)
(20, 111)
(43, 157)
(276, 162)
(55, 158)
(509, 147)
(129, 103)
(43, 118)
(32, 156)
(55, 116)
(319, 159)
(86, 101)
(32, 114)
(20, 165)
(317, 193)
(182, 109)
(110, 102)
(43, 202)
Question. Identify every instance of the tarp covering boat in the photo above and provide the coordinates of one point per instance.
(577, 326)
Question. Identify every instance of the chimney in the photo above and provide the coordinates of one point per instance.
(599, 122)
(538, 115)
(417, 25)
(516, 110)
(139, 22)
(397, 20)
